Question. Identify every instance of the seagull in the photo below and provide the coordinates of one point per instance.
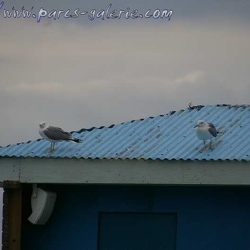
(55, 134)
(205, 131)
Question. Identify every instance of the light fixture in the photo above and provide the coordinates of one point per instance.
(42, 204)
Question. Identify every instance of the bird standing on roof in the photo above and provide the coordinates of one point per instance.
(55, 134)
(205, 131)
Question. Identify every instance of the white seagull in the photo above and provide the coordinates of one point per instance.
(55, 134)
(205, 131)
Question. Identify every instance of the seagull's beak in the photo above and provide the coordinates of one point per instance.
(196, 126)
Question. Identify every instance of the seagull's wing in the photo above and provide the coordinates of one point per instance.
(55, 133)
(212, 130)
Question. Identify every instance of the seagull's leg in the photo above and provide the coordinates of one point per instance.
(51, 147)
(210, 145)
(204, 146)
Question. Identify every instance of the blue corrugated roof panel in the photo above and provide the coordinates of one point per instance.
(165, 137)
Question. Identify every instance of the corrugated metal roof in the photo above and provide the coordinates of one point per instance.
(165, 137)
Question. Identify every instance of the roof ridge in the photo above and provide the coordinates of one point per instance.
(171, 112)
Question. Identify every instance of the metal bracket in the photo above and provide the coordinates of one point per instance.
(34, 193)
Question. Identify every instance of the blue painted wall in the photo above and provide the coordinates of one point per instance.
(207, 217)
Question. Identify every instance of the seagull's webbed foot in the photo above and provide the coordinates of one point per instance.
(203, 149)
(51, 150)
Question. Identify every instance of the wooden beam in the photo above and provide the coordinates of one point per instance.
(134, 172)
(12, 216)
(129, 172)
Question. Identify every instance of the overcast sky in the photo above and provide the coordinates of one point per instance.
(76, 73)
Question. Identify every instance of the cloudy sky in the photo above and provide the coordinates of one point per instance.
(76, 73)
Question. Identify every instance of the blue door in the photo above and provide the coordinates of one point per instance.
(137, 231)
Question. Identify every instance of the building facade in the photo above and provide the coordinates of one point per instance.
(143, 184)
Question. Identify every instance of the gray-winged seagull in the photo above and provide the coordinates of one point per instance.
(205, 131)
(55, 134)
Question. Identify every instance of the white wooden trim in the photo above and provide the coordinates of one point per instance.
(81, 171)
(9, 169)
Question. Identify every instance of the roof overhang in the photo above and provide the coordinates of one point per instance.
(151, 172)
